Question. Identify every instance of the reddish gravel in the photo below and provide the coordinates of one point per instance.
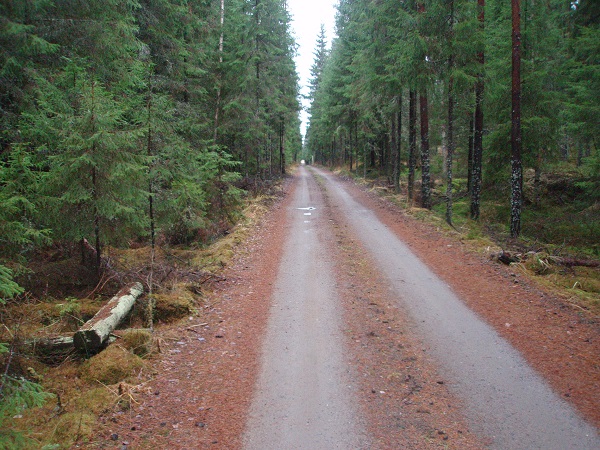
(205, 374)
(559, 341)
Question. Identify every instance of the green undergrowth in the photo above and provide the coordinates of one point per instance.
(55, 403)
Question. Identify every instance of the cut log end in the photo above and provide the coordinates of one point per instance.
(87, 341)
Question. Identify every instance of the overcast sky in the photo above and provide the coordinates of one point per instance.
(307, 17)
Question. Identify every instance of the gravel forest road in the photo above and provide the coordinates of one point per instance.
(306, 395)
(327, 332)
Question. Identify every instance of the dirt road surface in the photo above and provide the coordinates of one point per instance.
(506, 400)
(329, 333)
(305, 396)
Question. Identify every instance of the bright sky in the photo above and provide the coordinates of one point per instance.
(307, 17)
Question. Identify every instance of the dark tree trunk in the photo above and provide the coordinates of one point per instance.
(412, 144)
(399, 140)
(219, 74)
(282, 147)
(470, 155)
(478, 131)
(516, 201)
(96, 221)
(150, 182)
(95, 186)
(351, 149)
(450, 152)
(425, 173)
(394, 146)
(354, 148)
(373, 157)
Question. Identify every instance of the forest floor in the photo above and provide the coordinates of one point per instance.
(207, 370)
(197, 391)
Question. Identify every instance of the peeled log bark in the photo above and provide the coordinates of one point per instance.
(91, 336)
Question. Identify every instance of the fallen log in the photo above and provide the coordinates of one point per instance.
(571, 262)
(50, 347)
(92, 335)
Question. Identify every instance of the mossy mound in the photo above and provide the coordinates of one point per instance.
(174, 305)
(139, 342)
(96, 401)
(111, 366)
(72, 427)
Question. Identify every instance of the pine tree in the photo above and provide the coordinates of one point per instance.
(19, 188)
(97, 172)
(23, 49)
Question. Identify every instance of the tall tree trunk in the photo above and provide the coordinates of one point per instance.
(470, 155)
(373, 156)
(96, 220)
(399, 140)
(537, 183)
(282, 147)
(412, 144)
(516, 200)
(150, 154)
(95, 184)
(220, 73)
(425, 173)
(365, 151)
(394, 145)
(350, 149)
(478, 132)
(450, 153)
(150, 212)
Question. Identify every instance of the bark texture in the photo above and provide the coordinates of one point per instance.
(425, 165)
(94, 333)
(516, 200)
(412, 143)
(478, 131)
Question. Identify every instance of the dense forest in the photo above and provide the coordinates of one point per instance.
(473, 108)
(130, 120)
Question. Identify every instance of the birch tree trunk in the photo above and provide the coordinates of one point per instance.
(90, 337)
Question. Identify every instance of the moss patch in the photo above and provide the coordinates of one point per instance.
(139, 342)
(111, 366)
(173, 305)
(72, 427)
(95, 401)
